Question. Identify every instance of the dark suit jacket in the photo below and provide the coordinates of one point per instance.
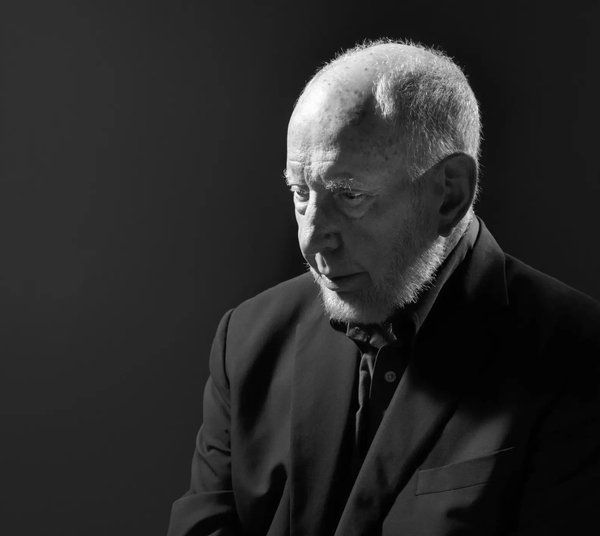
(493, 429)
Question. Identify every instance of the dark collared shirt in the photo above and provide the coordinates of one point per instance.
(386, 349)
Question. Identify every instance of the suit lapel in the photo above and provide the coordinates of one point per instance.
(324, 389)
(428, 394)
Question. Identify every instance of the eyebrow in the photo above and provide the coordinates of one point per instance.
(330, 184)
(340, 184)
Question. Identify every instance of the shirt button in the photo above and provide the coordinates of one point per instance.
(390, 376)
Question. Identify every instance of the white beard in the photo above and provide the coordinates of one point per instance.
(412, 265)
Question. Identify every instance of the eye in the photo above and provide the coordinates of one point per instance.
(300, 194)
(353, 199)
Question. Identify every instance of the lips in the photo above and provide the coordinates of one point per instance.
(346, 283)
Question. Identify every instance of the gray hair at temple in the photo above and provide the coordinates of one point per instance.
(426, 98)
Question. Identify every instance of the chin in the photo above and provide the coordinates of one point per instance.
(356, 308)
(403, 285)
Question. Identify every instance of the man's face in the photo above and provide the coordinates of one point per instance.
(370, 241)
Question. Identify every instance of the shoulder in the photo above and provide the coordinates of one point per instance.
(537, 301)
(259, 334)
(556, 334)
(543, 330)
(277, 306)
(541, 300)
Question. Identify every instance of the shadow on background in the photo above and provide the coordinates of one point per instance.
(141, 151)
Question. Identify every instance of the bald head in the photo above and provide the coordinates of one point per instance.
(361, 67)
(418, 99)
(341, 112)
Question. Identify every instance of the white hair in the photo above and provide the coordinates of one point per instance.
(426, 98)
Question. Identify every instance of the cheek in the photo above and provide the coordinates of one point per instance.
(300, 224)
(367, 246)
(298, 217)
(376, 243)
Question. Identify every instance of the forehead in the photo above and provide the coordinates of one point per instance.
(336, 166)
(336, 132)
(352, 145)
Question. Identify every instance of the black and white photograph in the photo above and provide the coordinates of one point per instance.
(313, 268)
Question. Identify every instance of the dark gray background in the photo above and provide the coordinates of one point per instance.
(141, 151)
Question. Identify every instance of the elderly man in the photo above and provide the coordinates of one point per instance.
(417, 381)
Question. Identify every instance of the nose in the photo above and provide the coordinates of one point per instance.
(318, 229)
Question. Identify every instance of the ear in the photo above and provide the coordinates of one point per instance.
(456, 179)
